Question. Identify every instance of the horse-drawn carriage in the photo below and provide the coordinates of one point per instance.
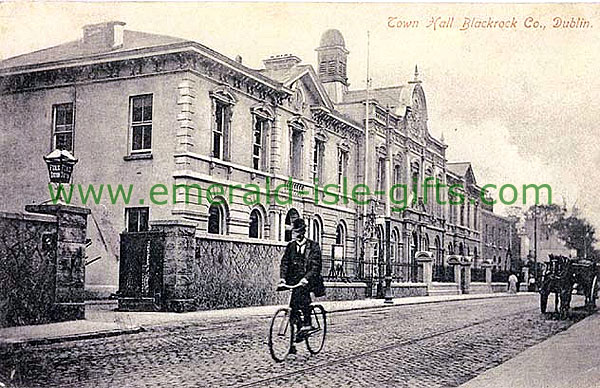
(563, 276)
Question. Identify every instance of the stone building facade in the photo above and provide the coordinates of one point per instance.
(170, 117)
(498, 240)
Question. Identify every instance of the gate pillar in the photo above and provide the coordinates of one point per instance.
(455, 261)
(69, 302)
(466, 269)
(178, 259)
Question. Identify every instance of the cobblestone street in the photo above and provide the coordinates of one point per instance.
(427, 345)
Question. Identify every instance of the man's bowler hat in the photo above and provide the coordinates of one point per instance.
(298, 224)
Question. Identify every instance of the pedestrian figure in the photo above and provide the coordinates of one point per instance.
(531, 285)
(512, 284)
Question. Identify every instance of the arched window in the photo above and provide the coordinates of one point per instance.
(461, 249)
(394, 253)
(450, 249)
(414, 185)
(216, 219)
(428, 193)
(438, 252)
(317, 230)
(256, 224)
(340, 235)
(425, 243)
(378, 253)
(291, 215)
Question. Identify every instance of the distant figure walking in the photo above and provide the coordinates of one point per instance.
(531, 285)
(512, 284)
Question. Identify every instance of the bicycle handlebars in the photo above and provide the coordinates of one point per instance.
(284, 287)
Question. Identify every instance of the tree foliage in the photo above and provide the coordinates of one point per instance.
(575, 231)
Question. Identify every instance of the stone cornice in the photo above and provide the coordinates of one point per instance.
(262, 88)
(335, 124)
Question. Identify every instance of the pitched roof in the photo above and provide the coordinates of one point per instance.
(458, 168)
(397, 98)
(78, 50)
(284, 75)
(134, 42)
(288, 76)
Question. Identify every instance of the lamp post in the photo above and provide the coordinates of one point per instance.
(368, 228)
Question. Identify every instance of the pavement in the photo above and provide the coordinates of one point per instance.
(567, 359)
(102, 321)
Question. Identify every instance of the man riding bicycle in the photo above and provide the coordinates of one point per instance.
(301, 264)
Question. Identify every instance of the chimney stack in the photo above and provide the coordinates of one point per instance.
(107, 35)
(281, 62)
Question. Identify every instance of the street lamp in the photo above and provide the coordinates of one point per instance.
(60, 167)
(369, 226)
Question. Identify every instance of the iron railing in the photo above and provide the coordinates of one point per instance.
(500, 276)
(443, 273)
(478, 274)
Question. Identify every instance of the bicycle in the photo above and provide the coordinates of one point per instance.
(282, 333)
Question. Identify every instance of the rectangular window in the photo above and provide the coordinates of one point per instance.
(342, 163)
(318, 160)
(62, 127)
(380, 174)
(398, 193)
(260, 126)
(221, 131)
(296, 145)
(137, 219)
(141, 123)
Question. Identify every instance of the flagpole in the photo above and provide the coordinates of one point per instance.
(366, 232)
(367, 103)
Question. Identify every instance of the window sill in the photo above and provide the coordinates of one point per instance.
(137, 157)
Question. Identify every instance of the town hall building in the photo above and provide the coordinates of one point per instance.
(170, 116)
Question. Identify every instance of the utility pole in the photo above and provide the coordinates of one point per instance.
(366, 234)
(535, 250)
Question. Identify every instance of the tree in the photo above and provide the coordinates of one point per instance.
(577, 234)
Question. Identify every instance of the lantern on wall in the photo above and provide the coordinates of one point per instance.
(60, 166)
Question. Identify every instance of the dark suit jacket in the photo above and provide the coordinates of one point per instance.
(293, 270)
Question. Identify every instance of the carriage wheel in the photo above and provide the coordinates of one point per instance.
(543, 301)
(593, 293)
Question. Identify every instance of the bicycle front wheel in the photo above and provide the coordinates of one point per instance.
(281, 335)
(316, 337)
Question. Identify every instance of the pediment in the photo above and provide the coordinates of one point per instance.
(312, 88)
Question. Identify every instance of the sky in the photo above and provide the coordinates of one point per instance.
(521, 104)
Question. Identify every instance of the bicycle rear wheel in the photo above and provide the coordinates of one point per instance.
(316, 338)
(281, 335)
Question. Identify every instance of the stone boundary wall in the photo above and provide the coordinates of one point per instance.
(402, 290)
(236, 273)
(42, 265)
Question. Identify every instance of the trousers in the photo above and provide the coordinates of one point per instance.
(300, 301)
